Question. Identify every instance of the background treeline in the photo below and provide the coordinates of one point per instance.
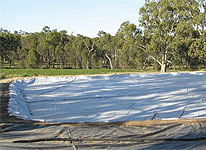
(172, 34)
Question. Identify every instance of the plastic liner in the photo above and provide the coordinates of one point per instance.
(110, 98)
(18, 134)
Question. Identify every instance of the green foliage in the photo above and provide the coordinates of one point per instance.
(169, 27)
(8, 47)
(22, 58)
(94, 61)
(85, 60)
(173, 35)
(33, 59)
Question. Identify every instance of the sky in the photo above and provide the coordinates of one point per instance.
(86, 17)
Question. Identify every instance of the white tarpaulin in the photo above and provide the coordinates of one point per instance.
(109, 98)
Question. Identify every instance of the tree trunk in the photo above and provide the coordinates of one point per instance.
(87, 64)
(110, 61)
(89, 51)
(163, 68)
(162, 64)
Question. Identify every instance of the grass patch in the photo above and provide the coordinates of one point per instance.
(2, 76)
(57, 72)
(8, 73)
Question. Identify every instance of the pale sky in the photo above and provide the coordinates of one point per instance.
(85, 17)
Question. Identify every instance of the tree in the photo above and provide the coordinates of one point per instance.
(60, 55)
(22, 57)
(160, 18)
(89, 48)
(2, 49)
(198, 47)
(60, 51)
(157, 20)
(106, 44)
(76, 51)
(49, 44)
(9, 44)
(33, 59)
(131, 54)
